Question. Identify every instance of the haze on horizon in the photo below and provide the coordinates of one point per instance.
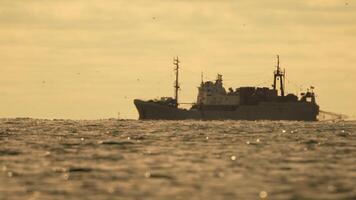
(88, 59)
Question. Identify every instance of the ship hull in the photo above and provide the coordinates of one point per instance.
(300, 111)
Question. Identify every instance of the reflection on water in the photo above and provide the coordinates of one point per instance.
(106, 159)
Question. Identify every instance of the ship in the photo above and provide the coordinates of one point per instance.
(214, 102)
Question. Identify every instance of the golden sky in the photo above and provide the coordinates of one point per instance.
(88, 59)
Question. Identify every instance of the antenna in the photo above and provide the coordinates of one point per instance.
(278, 62)
(176, 83)
(202, 77)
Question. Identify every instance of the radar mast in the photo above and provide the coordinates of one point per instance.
(176, 83)
(279, 75)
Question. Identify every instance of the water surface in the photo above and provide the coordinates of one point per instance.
(128, 159)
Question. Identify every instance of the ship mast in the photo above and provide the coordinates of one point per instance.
(279, 75)
(176, 83)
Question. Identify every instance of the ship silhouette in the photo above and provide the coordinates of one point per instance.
(243, 103)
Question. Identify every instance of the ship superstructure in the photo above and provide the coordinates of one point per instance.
(214, 102)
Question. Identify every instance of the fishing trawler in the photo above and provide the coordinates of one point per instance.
(243, 103)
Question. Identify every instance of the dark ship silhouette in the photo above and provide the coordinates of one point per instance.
(244, 103)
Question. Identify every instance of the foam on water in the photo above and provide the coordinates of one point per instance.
(108, 159)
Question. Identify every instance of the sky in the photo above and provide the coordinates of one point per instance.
(88, 59)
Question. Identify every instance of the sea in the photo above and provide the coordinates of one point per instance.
(164, 160)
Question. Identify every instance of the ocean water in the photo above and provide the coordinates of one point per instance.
(129, 159)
